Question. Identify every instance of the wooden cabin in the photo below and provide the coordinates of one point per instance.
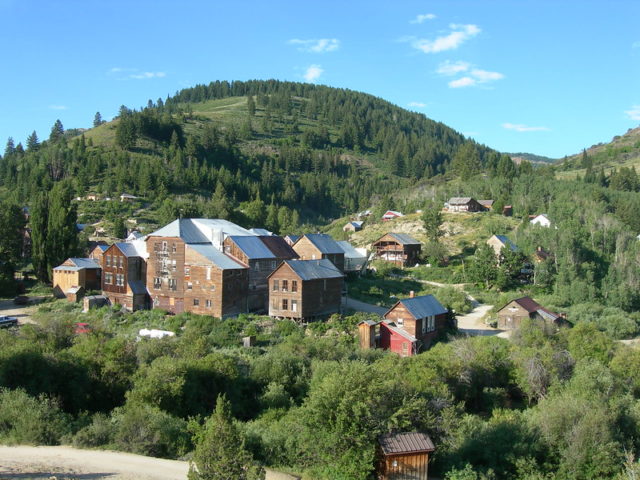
(404, 456)
(367, 333)
(498, 242)
(124, 276)
(412, 324)
(511, 315)
(97, 252)
(487, 205)
(464, 204)
(398, 248)
(353, 226)
(305, 290)
(76, 272)
(315, 246)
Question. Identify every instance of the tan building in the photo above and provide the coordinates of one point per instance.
(315, 246)
(513, 313)
(74, 273)
(404, 456)
(305, 289)
(498, 242)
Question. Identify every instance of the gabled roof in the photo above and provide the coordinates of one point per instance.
(137, 287)
(531, 306)
(79, 264)
(404, 239)
(200, 230)
(314, 269)
(392, 213)
(422, 306)
(216, 257)
(459, 200)
(356, 224)
(253, 247)
(371, 323)
(279, 247)
(323, 242)
(129, 249)
(102, 247)
(486, 203)
(397, 443)
(400, 331)
(506, 242)
(261, 231)
(349, 250)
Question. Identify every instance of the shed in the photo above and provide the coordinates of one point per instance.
(511, 315)
(367, 334)
(352, 227)
(404, 455)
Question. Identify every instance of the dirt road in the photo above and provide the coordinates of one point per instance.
(21, 312)
(24, 463)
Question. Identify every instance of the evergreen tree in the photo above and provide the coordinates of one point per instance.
(432, 221)
(119, 227)
(97, 120)
(11, 225)
(126, 132)
(61, 233)
(251, 105)
(10, 148)
(484, 268)
(57, 132)
(32, 142)
(38, 220)
(220, 453)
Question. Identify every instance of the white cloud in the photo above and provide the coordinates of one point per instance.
(634, 113)
(523, 128)
(462, 82)
(450, 68)
(58, 107)
(482, 76)
(458, 35)
(417, 104)
(319, 45)
(313, 73)
(146, 75)
(421, 18)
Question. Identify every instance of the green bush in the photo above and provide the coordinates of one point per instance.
(100, 432)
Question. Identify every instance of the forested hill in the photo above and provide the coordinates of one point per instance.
(266, 153)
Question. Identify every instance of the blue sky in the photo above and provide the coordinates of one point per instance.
(545, 77)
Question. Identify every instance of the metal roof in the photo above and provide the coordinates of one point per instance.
(405, 239)
(399, 330)
(459, 200)
(85, 262)
(253, 247)
(200, 230)
(314, 269)
(371, 323)
(349, 250)
(323, 242)
(279, 247)
(505, 241)
(531, 306)
(414, 442)
(129, 249)
(260, 231)
(423, 306)
(137, 287)
(216, 257)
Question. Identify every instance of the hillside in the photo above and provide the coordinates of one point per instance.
(532, 158)
(267, 153)
(622, 151)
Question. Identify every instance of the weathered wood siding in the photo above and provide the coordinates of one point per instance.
(511, 316)
(165, 273)
(389, 249)
(367, 336)
(413, 466)
(418, 327)
(306, 250)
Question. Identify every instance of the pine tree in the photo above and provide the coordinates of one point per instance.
(251, 105)
(97, 120)
(220, 453)
(432, 221)
(38, 220)
(10, 148)
(57, 132)
(32, 142)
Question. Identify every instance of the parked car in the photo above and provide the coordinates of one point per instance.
(7, 322)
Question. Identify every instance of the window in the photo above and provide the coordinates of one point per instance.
(285, 304)
(173, 248)
(121, 261)
(173, 284)
(108, 278)
(294, 285)
(189, 286)
(120, 279)
(156, 302)
(196, 302)
(187, 271)
(156, 246)
(294, 305)
(424, 324)
(325, 283)
(275, 285)
(274, 304)
(164, 246)
(157, 282)
(108, 260)
(285, 285)
(432, 323)
(207, 303)
(173, 265)
(400, 322)
(273, 265)
(208, 273)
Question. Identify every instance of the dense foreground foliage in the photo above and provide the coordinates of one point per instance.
(314, 402)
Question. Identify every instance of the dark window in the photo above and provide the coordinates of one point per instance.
(157, 282)
(285, 285)
(196, 302)
(294, 285)
(285, 304)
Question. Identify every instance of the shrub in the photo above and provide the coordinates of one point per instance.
(99, 432)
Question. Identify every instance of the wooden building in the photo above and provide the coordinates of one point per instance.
(355, 259)
(498, 242)
(464, 204)
(368, 335)
(292, 239)
(305, 289)
(487, 205)
(511, 315)
(412, 324)
(254, 253)
(187, 270)
(404, 456)
(398, 248)
(315, 246)
(352, 226)
(76, 272)
(96, 252)
(390, 215)
(124, 276)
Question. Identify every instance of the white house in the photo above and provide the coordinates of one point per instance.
(541, 220)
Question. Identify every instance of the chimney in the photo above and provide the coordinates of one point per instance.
(412, 294)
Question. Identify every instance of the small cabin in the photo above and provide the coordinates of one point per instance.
(352, 227)
(498, 242)
(404, 456)
(464, 204)
(513, 313)
(367, 334)
(76, 272)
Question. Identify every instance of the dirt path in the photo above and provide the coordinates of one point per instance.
(22, 312)
(24, 462)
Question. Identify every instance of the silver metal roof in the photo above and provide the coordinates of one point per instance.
(349, 250)
(216, 257)
(129, 249)
(506, 242)
(413, 442)
(459, 200)
(79, 264)
(201, 230)
(253, 247)
(314, 269)
(423, 306)
(324, 243)
(405, 239)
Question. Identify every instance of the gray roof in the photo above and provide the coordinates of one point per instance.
(405, 239)
(423, 306)
(324, 243)
(414, 442)
(371, 323)
(261, 231)
(459, 200)
(138, 287)
(216, 257)
(314, 269)
(349, 250)
(253, 247)
(505, 241)
(129, 249)
(79, 264)
(400, 331)
(199, 230)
